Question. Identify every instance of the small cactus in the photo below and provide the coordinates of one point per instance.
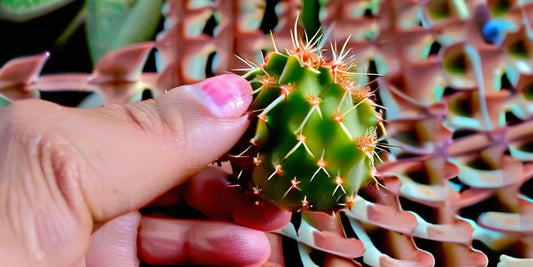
(314, 132)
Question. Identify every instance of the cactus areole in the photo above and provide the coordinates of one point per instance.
(311, 143)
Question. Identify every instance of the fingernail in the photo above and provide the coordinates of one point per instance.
(226, 96)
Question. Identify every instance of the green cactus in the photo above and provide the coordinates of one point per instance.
(314, 131)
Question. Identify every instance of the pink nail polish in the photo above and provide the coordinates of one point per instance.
(226, 95)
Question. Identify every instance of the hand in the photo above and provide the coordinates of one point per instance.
(75, 178)
(215, 242)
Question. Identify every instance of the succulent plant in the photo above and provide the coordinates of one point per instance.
(314, 133)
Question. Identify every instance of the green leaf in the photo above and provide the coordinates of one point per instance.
(115, 23)
(309, 19)
(24, 10)
(4, 101)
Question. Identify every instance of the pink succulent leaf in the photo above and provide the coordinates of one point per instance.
(506, 222)
(194, 13)
(472, 196)
(451, 31)
(247, 47)
(103, 93)
(183, 49)
(185, 53)
(525, 204)
(383, 194)
(422, 81)
(324, 240)
(392, 183)
(520, 131)
(287, 12)
(77, 82)
(520, 106)
(526, 12)
(518, 52)
(431, 186)
(489, 168)
(22, 71)
(456, 21)
(434, 14)
(521, 149)
(398, 47)
(128, 92)
(521, 103)
(403, 106)
(122, 65)
(342, 15)
(470, 110)
(457, 232)
(245, 15)
(474, 143)
(323, 221)
(383, 216)
(492, 67)
(329, 235)
(430, 195)
(186, 57)
(422, 136)
(344, 10)
(467, 67)
(338, 245)
(66, 81)
(402, 244)
(524, 85)
(238, 19)
(334, 261)
(402, 251)
(326, 260)
(461, 255)
(398, 15)
(520, 223)
(495, 240)
(508, 261)
(458, 66)
(117, 79)
(507, 172)
(20, 92)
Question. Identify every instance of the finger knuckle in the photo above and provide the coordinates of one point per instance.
(63, 168)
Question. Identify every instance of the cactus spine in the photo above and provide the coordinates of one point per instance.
(313, 133)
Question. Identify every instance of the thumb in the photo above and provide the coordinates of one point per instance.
(130, 154)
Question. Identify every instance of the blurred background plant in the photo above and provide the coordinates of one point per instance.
(455, 78)
(108, 24)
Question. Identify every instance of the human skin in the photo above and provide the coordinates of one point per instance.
(72, 182)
